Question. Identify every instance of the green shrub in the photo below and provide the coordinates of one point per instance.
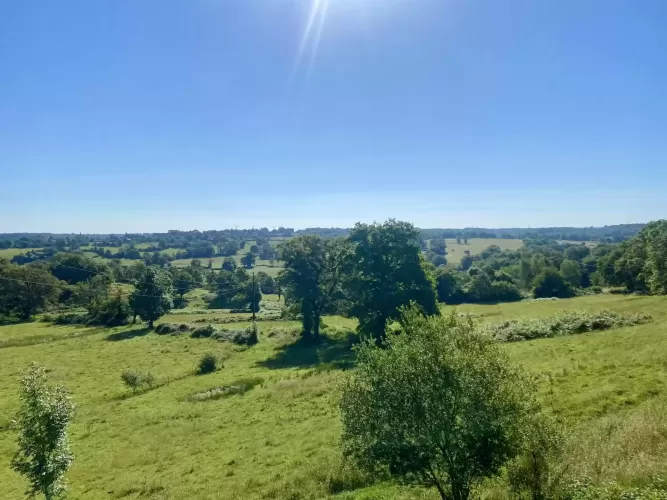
(47, 318)
(205, 331)
(132, 379)
(172, 328)
(563, 323)
(135, 380)
(247, 336)
(71, 319)
(166, 328)
(207, 364)
(584, 490)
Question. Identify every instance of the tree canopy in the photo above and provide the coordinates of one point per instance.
(386, 272)
(440, 406)
(312, 274)
(152, 297)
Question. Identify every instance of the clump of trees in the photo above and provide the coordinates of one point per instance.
(452, 410)
(27, 290)
(639, 264)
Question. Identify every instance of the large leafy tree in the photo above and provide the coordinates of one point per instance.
(387, 272)
(152, 297)
(312, 274)
(551, 283)
(248, 260)
(654, 236)
(440, 407)
(75, 267)
(571, 271)
(26, 290)
(43, 454)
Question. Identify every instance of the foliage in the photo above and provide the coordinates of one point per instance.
(114, 311)
(183, 281)
(26, 290)
(386, 272)
(563, 323)
(207, 364)
(266, 283)
(551, 283)
(135, 380)
(248, 260)
(571, 272)
(92, 292)
(229, 264)
(311, 276)
(236, 290)
(537, 472)
(152, 297)
(440, 406)
(75, 267)
(248, 336)
(43, 454)
(449, 286)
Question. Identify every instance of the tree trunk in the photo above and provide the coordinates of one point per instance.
(134, 318)
(443, 494)
(316, 326)
(150, 323)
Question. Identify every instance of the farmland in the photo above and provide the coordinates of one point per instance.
(455, 250)
(280, 439)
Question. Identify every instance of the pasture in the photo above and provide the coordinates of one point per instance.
(455, 251)
(280, 438)
(10, 253)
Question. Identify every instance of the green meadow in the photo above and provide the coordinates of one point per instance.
(280, 438)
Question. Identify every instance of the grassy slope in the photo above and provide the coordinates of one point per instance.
(280, 439)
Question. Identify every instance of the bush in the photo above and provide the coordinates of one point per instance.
(207, 364)
(132, 379)
(451, 406)
(205, 331)
(238, 336)
(47, 318)
(72, 319)
(537, 472)
(551, 283)
(563, 323)
(135, 380)
(172, 328)
(583, 490)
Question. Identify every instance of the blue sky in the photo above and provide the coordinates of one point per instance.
(148, 115)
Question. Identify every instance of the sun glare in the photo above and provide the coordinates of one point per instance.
(314, 26)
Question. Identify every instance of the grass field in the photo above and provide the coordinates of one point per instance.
(475, 245)
(10, 253)
(280, 439)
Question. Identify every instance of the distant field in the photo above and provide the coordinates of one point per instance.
(475, 245)
(10, 253)
(590, 244)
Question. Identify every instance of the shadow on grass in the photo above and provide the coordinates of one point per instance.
(128, 334)
(328, 353)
